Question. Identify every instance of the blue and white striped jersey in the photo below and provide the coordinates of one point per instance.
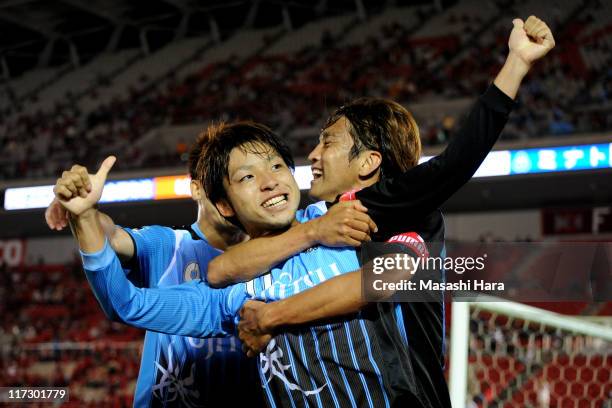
(337, 364)
(330, 365)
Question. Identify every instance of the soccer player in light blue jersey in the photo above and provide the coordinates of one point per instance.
(176, 370)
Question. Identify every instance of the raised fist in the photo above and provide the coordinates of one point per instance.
(530, 40)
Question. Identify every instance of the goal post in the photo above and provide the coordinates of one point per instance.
(505, 354)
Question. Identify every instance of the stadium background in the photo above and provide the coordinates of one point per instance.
(81, 81)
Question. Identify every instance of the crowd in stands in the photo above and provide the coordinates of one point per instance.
(298, 90)
(53, 334)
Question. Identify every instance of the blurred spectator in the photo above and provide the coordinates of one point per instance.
(47, 341)
(297, 90)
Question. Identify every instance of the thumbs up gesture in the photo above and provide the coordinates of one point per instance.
(78, 191)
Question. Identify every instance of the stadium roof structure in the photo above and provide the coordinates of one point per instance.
(42, 33)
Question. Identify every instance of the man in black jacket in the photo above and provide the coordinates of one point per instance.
(360, 152)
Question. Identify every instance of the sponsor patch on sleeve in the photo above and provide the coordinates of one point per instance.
(411, 240)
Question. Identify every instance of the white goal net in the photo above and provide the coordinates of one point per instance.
(506, 354)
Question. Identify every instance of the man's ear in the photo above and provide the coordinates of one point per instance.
(225, 208)
(197, 193)
(370, 163)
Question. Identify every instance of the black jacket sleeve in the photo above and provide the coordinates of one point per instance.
(427, 186)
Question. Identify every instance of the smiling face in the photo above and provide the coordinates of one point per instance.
(333, 171)
(362, 141)
(261, 190)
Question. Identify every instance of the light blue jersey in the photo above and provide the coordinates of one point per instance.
(176, 370)
(329, 365)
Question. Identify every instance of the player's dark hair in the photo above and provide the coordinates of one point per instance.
(384, 126)
(194, 153)
(213, 164)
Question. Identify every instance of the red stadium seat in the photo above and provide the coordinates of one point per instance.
(596, 361)
(519, 366)
(563, 360)
(584, 403)
(567, 403)
(603, 375)
(570, 374)
(532, 397)
(518, 398)
(560, 389)
(503, 363)
(577, 389)
(594, 390)
(552, 372)
(586, 374)
(579, 360)
(607, 389)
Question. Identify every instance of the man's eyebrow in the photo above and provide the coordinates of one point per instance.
(248, 167)
(245, 167)
(326, 135)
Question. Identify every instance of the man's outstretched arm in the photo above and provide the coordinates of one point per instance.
(189, 310)
(345, 224)
(425, 187)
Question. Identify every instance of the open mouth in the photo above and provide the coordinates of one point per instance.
(275, 201)
(317, 174)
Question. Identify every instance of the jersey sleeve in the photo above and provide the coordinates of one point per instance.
(396, 261)
(154, 249)
(427, 186)
(192, 309)
(409, 243)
